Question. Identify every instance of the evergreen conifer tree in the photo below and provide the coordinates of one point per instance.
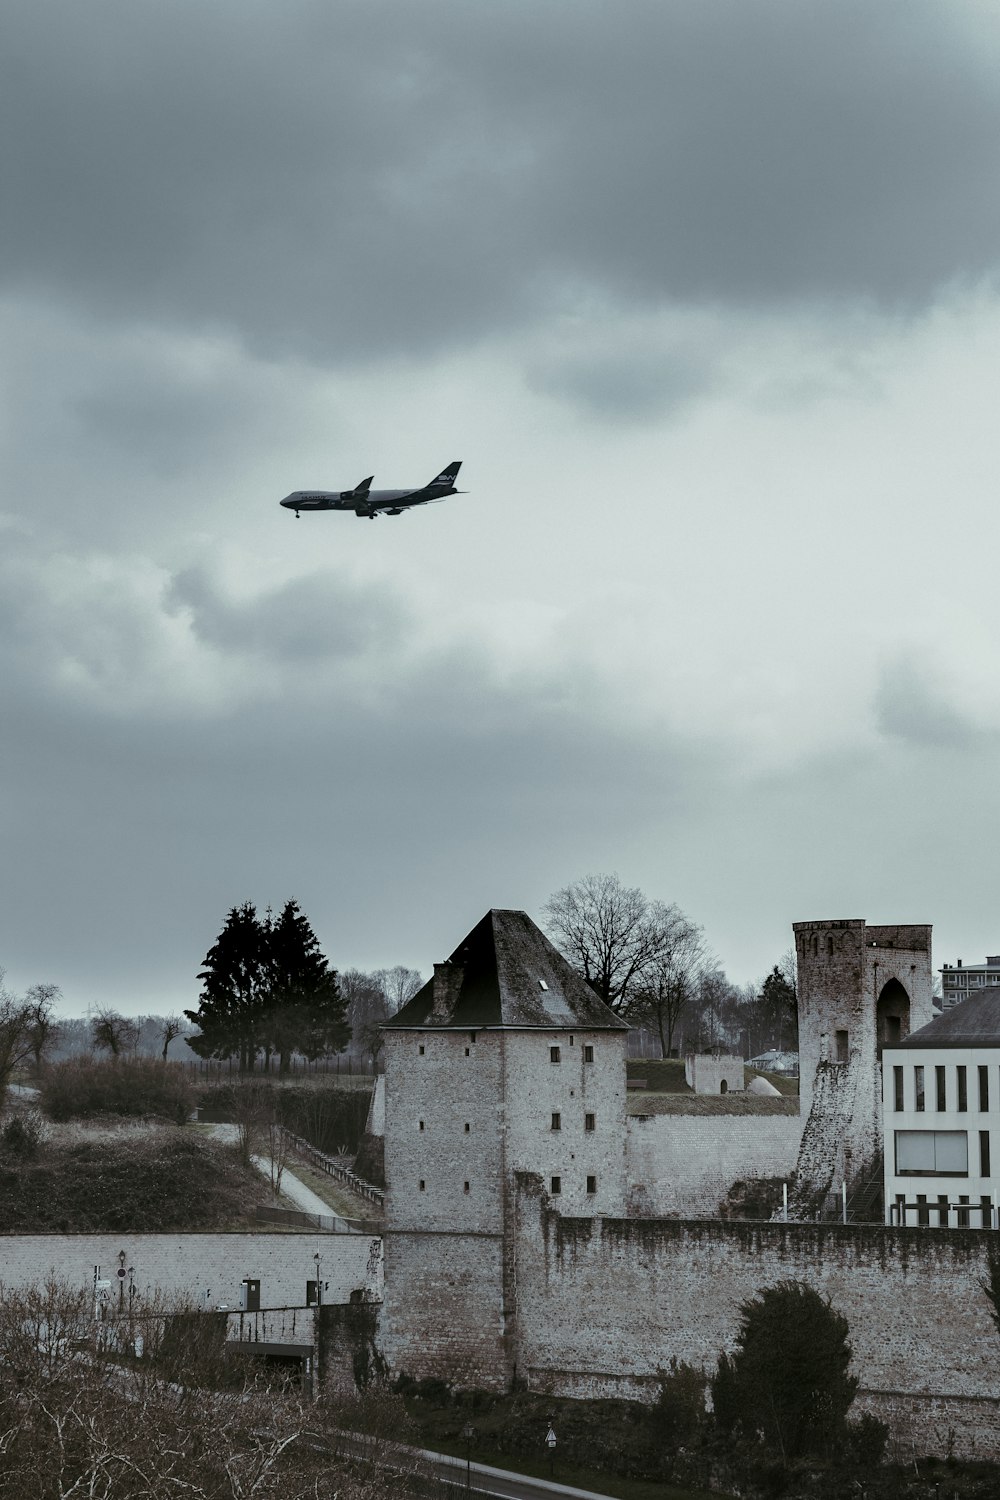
(266, 987)
(234, 991)
(306, 1012)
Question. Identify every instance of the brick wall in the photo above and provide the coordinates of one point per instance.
(207, 1269)
(683, 1165)
(604, 1304)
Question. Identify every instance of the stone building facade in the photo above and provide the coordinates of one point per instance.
(505, 1062)
(860, 989)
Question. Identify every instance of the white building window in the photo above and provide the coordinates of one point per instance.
(932, 1153)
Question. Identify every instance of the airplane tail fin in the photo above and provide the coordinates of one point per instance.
(446, 478)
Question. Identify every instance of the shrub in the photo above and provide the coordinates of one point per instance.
(867, 1439)
(788, 1377)
(22, 1135)
(137, 1088)
(680, 1406)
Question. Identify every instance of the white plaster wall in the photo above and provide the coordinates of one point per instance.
(206, 1269)
(685, 1164)
(975, 1185)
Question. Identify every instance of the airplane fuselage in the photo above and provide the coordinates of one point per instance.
(364, 501)
(376, 500)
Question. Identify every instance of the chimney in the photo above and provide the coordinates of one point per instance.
(447, 983)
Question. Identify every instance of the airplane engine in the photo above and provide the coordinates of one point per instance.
(397, 512)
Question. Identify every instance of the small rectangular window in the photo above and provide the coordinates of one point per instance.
(466, 1188)
(939, 1088)
(918, 1089)
(554, 1054)
(421, 1184)
(472, 1036)
(984, 1153)
(984, 1089)
(556, 1186)
(963, 1092)
(421, 1049)
(591, 1184)
(556, 1120)
(588, 1122)
(468, 1052)
(588, 1053)
(421, 1124)
(467, 1127)
(842, 1047)
(897, 1089)
(571, 1039)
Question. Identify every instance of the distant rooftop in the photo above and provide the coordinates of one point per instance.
(507, 973)
(974, 1023)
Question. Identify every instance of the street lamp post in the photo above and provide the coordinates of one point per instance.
(468, 1433)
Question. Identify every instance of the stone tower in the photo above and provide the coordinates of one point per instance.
(860, 989)
(505, 1063)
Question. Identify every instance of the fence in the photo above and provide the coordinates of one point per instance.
(336, 1170)
(300, 1067)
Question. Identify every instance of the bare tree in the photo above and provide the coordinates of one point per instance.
(670, 980)
(82, 1422)
(608, 930)
(41, 1002)
(367, 1008)
(15, 1035)
(399, 984)
(112, 1032)
(169, 1028)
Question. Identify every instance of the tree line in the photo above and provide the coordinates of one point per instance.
(652, 965)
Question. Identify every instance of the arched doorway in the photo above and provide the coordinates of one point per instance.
(892, 1015)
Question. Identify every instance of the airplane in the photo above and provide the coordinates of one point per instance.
(364, 501)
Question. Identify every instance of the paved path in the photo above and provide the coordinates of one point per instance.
(474, 1478)
(303, 1197)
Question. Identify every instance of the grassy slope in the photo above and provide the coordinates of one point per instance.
(157, 1180)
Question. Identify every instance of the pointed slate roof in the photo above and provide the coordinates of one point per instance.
(971, 1023)
(507, 973)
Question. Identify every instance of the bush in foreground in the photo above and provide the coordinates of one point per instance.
(788, 1377)
(138, 1088)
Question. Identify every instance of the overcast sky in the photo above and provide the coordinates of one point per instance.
(704, 294)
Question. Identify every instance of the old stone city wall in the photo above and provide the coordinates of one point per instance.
(684, 1165)
(603, 1304)
(204, 1269)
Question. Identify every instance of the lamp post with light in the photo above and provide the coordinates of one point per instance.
(468, 1433)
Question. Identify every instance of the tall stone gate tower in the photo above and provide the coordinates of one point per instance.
(505, 1063)
(860, 989)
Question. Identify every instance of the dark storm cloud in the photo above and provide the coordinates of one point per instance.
(350, 179)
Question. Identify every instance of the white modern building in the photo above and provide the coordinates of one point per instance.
(941, 1119)
(958, 982)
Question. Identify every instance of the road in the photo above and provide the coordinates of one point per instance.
(472, 1479)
